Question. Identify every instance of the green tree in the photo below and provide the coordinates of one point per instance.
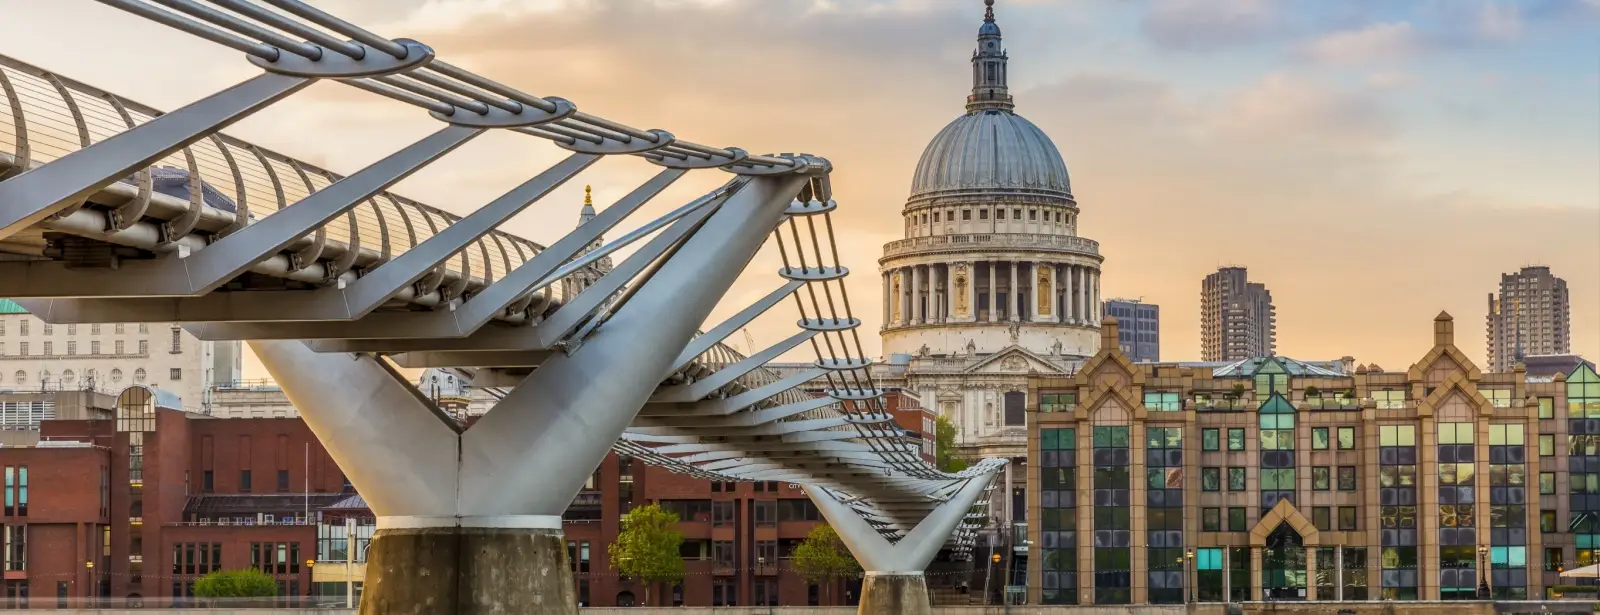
(647, 548)
(246, 583)
(823, 558)
(944, 446)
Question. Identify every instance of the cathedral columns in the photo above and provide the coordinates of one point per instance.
(1015, 295)
(1097, 311)
(917, 315)
(994, 307)
(905, 297)
(887, 305)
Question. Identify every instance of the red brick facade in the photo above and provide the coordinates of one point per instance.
(252, 474)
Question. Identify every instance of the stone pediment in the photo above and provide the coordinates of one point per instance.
(1013, 360)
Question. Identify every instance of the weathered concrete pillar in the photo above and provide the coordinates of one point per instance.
(468, 571)
(894, 583)
(897, 593)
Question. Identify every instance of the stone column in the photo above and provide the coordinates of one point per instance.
(1015, 295)
(1055, 293)
(994, 310)
(1255, 573)
(905, 297)
(887, 302)
(917, 315)
(1097, 312)
(972, 290)
(1082, 295)
(1311, 573)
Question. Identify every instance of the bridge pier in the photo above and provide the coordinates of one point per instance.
(894, 583)
(469, 520)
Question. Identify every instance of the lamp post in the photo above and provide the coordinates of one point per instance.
(1483, 574)
(1189, 579)
(94, 588)
(994, 560)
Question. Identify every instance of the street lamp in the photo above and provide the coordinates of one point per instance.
(1189, 578)
(93, 590)
(1483, 574)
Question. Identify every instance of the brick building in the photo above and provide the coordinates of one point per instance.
(154, 497)
(1273, 479)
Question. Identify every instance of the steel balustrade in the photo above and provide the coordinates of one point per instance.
(116, 212)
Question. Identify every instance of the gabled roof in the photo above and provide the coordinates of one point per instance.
(8, 306)
(1276, 404)
(1012, 351)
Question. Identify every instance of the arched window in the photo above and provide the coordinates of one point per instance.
(116, 375)
(67, 378)
(21, 376)
(138, 375)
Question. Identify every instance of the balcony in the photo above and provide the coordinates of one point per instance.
(980, 241)
(1332, 403)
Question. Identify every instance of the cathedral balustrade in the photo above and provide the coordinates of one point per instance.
(990, 240)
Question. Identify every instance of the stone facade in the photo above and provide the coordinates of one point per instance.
(1276, 479)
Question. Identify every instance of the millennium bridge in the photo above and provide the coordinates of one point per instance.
(112, 211)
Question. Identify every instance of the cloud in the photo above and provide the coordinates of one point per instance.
(1284, 107)
(1200, 25)
(1380, 43)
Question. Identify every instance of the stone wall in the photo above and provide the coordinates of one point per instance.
(1249, 608)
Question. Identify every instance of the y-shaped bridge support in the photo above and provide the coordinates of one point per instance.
(469, 522)
(894, 583)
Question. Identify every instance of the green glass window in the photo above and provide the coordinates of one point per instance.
(1211, 519)
(1500, 398)
(1235, 439)
(1456, 433)
(1397, 435)
(1547, 522)
(1271, 378)
(1547, 483)
(1210, 479)
(1347, 438)
(1057, 402)
(1583, 393)
(1110, 437)
(1547, 407)
(1210, 439)
(1162, 401)
(1319, 438)
(1506, 435)
(1389, 399)
(1058, 439)
(1236, 520)
(1277, 479)
(1277, 425)
(1547, 446)
(1321, 478)
(1236, 479)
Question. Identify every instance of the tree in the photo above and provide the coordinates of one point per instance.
(246, 583)
(647, 548)
(944, 443)
(823, 558)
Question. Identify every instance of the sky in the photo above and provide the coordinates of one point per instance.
(1373, 162)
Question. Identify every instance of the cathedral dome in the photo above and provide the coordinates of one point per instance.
(991, 150)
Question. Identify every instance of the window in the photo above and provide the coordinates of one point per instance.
(1210, 479)
(1347, 438)
(1000, 214)
(1236, 520)
(1321, 479)
(765, 512)
(1390, 399)
(1236, 479)
(206, 485)
(1161, 401)
(1547, 407)
(1033, 214)
(983, 214)
(144, 327)
(244, 480)
(1554, 559)
(1211, 519)
(1322, 518)
(1277, 479)
(1235, 439)
(1347, 518)
(1347, 478)
(117, 328)
(118, 345)
(177, 340)
(1016, 408)
(1547, 446)
(966, 214)
(1501, 398)
(283, 480)
(49, 329)
(94, 347)
(1547, 522)
(1319, 438)
(175, 373)
(1547, 483)
(94, 329)
(722, 553)
(722, 513)
(72, 347)
(1210, 439)
(49, 348)
(1057, 402)
(144, 347)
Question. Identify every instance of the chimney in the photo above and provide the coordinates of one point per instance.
(1108, 334)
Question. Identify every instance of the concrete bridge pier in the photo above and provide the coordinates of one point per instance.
(894, 583)
(469, 520)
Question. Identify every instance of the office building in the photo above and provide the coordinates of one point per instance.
(1529, 316)
(1140, 328)
(1237, 319)
(1271, 479)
